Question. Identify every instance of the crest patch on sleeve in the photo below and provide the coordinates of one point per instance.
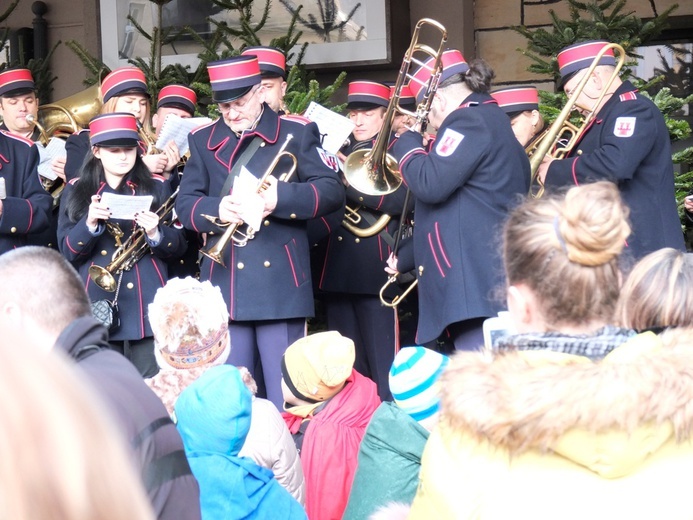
(448, 143)
(330, 160)
(624, 126)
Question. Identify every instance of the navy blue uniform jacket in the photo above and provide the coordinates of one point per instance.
(629, 144)
(26, 208)
(76, 148)
(139, 284)
(270, 277)
(464, 187)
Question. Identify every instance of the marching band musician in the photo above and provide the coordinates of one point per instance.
(521, 104)
(273, 73)
(87, 237)
(182, 102)
(352, 270)
(24, 204)
(463, 189)
(403, 122)
(266, 284)
(123, 90)
(627, 143)
(17, 101)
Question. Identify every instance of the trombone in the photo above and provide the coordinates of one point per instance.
(562, 136)
(129, 252)
(233, 232)
(374, 171)
(393, 279)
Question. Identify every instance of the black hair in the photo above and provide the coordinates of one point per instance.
(91, 175)
(479, 76)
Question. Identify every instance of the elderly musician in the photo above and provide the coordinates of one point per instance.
(352, 270)
(463, 188)
(267, 283)
(627, 143)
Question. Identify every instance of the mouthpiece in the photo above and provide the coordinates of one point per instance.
(30, 118)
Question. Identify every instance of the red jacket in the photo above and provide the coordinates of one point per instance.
(331, 445)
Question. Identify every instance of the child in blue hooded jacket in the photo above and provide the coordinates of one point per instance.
(213, 417)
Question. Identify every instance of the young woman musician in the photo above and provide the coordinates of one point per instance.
(88, 236)
(123, 90)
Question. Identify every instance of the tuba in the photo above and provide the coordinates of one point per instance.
(129, 252)
(69, 115)
(233, 232)
(61, 119)
(562, 136)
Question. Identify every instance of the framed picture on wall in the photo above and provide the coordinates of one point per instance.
(340, 33)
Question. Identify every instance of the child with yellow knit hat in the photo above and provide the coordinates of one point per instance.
(327, 408)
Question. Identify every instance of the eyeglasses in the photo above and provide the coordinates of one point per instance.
(237, 105)
(578, 79)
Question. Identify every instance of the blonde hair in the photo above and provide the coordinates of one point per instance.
(658, 292)
(62, 456)
(109, 107)
(565, 248)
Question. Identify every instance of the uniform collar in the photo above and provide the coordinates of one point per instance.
(34, 136)
(625, 87)
(267, 128)
(476, 98)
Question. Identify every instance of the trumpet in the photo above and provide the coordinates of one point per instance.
(233, 232)
(562, 136)
(147, 138)
(129, 252)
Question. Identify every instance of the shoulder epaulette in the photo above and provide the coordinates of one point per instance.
(73, 181)
(158, 177)
(296, 117)
(21, 139)
(82, 131)
(628, 96)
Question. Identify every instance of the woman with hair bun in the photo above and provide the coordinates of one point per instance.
(561, 257)
(658, 292)
(558, 423)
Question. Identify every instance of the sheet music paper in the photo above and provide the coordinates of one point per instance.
(125, 206)
(245, 193)
(55, 149)
(334, 127)
(176, 128)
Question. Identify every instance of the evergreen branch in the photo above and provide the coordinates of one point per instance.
(139, 28)
(4, 16)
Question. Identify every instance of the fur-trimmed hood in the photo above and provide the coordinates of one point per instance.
(607, 415)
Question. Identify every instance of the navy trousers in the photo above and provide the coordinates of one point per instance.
(259, 346)
(374, 330)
